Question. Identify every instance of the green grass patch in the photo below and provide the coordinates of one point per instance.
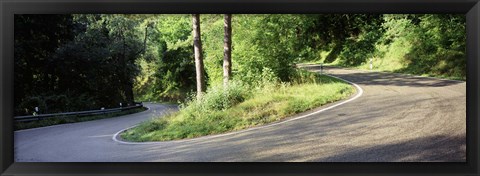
(71, 119)
(241, 106)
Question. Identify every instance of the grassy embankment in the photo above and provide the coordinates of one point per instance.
(239, 106)
(71, 119)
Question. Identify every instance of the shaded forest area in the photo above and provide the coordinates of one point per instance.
(82, 62)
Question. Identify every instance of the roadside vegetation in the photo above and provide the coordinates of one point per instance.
(71, 119)
(239, 106)
(427, 45)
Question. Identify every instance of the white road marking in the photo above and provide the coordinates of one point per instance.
(99, 136)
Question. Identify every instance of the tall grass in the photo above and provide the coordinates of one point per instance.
(241, 105)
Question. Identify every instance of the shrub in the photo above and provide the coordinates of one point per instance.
(216, 98)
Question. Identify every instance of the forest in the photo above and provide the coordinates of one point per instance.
(77, 62)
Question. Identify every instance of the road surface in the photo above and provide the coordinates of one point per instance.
(397, 118)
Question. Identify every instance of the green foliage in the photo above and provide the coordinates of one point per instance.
(177, 73)
(348, 36)
(357, 50)
(258, 80)
(234, 108)
(168, 74)
(175, 30)
(91, 66)
(36, 39)
(264, 41)
(217, 98)
(422, 44)
(212, 38)
(440, 46)
(425, 44)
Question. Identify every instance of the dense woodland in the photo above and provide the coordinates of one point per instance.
(82, 62)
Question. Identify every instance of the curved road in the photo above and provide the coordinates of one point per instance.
(398, 118)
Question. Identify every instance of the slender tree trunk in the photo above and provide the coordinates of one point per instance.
(227, 49)
(145, 40)
(197, 45)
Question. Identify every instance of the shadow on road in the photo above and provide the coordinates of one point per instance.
(432, 148)
(392, 79)
(383, 78)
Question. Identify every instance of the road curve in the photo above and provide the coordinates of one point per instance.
(398, 118)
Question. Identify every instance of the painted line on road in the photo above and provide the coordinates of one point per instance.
(39, 128)
(359, 94)
(100, 136)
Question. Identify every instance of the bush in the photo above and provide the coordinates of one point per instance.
(253, 80)
(217, 98)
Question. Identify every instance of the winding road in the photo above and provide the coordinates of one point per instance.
(397, 118)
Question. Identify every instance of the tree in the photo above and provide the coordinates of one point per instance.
(227, 49)
(36, 39)
(167, 67)
(197, 45)
(127, 45)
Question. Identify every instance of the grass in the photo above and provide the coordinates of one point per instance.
(71, 119)
(238, 107)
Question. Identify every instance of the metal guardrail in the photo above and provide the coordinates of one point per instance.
(79, 113)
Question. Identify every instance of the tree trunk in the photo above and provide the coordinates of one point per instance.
(227, 49)
(197, 45)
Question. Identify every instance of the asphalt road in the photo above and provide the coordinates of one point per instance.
(397, 118)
